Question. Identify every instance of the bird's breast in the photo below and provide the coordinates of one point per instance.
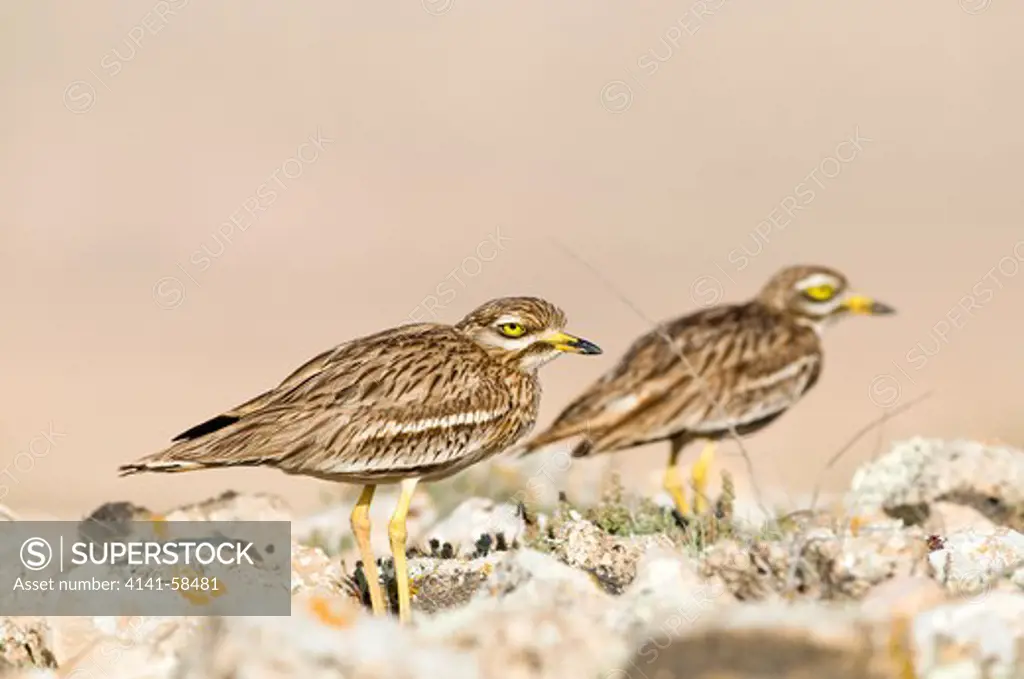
(524, 394)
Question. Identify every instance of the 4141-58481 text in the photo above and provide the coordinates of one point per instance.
(175, 584)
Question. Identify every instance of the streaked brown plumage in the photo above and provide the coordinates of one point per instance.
(415, 402)
(748, 364)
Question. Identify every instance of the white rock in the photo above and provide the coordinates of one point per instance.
(971, 561)
(532, 576)
(920, 471)
(667, 595)
(959, 639)
(302, 646)
(534, 618)
(141, 648)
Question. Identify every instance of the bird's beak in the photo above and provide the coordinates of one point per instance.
(865, 306)
(571, 344)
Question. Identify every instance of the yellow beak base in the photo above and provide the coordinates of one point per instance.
(571, 344)
(865, 306)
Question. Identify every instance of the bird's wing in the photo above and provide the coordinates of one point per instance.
(739, 397)
(743, 357)
(354, 403)
(353, 372)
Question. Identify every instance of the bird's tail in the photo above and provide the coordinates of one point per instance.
(579, 443)
(174, 466)
(181, 457)
(232, 449)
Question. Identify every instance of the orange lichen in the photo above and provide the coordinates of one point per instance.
(322, 609)
(856, 523)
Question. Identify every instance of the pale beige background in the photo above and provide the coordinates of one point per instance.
(448, 126)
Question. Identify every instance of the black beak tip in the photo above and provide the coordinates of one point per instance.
(588, 348)
(879, 309)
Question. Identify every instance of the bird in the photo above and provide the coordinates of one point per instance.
(729, 369)
(418, 402)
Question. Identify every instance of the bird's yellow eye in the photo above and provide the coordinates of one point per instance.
(512, 329)
(820, 293)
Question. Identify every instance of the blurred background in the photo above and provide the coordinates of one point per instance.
(196, 197)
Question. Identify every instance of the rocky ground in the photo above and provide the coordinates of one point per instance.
(920, 574)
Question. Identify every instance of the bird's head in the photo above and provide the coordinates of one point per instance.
(525, 331)
(817, 296)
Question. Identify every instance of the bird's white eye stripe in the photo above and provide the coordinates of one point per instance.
(814, 280)
(508, 318)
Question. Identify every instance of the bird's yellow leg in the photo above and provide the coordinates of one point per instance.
(397, 533)
(674, 482)
(699, 476)
(361, 531)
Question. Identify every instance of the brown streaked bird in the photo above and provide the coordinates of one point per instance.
(729, 368)
(417, 402)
